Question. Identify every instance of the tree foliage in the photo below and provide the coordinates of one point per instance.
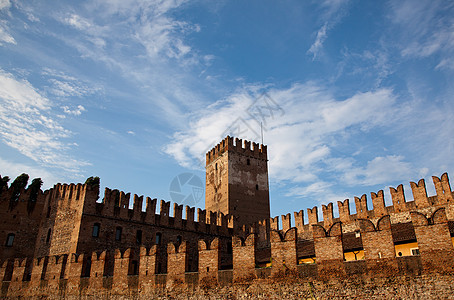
(18, 184)
(34, 188)
(92, 181)
(3, 183)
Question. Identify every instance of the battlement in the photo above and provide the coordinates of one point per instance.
(399, 210)
(134, 270)
(238, 146)
(119, 205)
(26, 202)
(319, 250)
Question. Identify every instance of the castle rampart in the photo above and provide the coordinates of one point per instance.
(239, 146)
(101, 248)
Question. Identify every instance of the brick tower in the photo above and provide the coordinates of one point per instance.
(237, 180)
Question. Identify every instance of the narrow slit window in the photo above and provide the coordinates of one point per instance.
(118, 234)
(158, 238)
(139, 237)
(49, 232)
(248, 161)
(10, 240)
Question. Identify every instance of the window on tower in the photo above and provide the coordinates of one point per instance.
(118, 234)
(96, 228)
(10, 240)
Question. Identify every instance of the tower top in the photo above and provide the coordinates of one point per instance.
(238, 146)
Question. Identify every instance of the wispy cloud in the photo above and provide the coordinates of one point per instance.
(425, 28)
(15, 169)
(76, 111)
(320, 139)
(4, 4)
(334, 10)
(146, 45)
(64, 86)
(28, 125)
(5, 36)
(312, 117)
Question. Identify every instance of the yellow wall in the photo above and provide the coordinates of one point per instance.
(350, 256)
(405, 248)
(310, 260)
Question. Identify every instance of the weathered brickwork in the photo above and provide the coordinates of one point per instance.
(244, 257)
(237, 181)
(283, 251)
(378, 246)
(67, 243)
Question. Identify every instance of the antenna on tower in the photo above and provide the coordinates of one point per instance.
(261, 131)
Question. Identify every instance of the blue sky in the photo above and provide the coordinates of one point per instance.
(354, 96)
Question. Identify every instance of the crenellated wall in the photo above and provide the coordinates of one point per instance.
(75, 260)
(22, 219)
(134, 272)
(239, 146)
(399, 212)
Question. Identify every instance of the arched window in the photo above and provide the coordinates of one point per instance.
(158, 238)
(10, 240)
(96, 229)
(48, 236)
(118, 234)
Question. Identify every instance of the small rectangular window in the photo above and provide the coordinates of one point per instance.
(118, 234)
(10, 240)
(158, 238)
(96, 228)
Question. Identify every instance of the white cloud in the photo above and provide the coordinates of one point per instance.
(148, 23)
(334, 10)
(5, 37)
(319, 39)
(320, 144)
(380, 170)
(5, 4)
(13, 169)
(28, 125)
(425, 28)
(78, 22)
(76, 112)
(20, 93)
(64, 85)
(300, 134)
(143, 42)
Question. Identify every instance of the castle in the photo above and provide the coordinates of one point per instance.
(65, 242)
